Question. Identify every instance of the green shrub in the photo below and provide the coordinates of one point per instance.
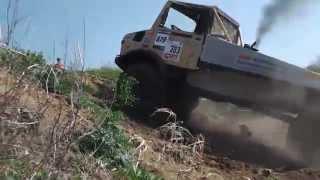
(101, 83)
(20, 63)
(112, 147)
(109, 144)
(18, 169)
(124, 91)
(314, 68)
(133, 173)
(57, 81)
(101, 114)
(15, 169)
(104, 73)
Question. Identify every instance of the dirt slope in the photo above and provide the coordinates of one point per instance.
(36, 130)
(231, 152)
(238, 144)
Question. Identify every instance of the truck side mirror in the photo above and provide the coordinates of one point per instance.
(247, 46)
(252, 47)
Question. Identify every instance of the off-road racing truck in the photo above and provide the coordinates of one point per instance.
(196, 50)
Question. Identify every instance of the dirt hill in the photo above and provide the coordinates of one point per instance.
(41, 130)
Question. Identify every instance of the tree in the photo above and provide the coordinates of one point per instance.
(315, 66)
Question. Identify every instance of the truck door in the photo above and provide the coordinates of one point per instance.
(176, 41)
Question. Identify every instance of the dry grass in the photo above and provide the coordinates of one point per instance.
(181, 145)
(36, 126)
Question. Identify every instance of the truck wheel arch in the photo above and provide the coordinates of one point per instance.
(140, 57)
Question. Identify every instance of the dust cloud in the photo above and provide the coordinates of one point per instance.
(279, 11)
(243, 134)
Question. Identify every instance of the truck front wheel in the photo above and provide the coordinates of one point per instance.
(148, 89)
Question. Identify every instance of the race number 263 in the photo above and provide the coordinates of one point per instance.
(175, 49)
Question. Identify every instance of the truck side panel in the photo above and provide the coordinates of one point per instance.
(247, 89)
(219, 52)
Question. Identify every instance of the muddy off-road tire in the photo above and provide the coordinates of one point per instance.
(152, 91)
(148, 90)
(181, 98)
(304, 134)
(188, 102)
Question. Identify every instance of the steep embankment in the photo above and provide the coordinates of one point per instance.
(38, 130)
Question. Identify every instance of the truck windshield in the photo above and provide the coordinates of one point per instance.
(225, 29)
(176, 19)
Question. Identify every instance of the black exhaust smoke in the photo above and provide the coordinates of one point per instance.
(279, 11)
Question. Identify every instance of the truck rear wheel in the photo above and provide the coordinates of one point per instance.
(148, 90)
(189, 100)
(304, 134)
(181, 98)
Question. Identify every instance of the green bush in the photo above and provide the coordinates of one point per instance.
(19, 63)
(101, 83)
(109, 144)
(133, 173)
(101, 113)
(15, 169)
(57, 81)
(314, 68)
(104, 73)
(124, 91)
(18, 169)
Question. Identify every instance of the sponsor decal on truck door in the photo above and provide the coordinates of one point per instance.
(171, 50)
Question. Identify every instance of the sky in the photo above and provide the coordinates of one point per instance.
(48, 23)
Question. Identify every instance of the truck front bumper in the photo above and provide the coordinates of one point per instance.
(119, 62)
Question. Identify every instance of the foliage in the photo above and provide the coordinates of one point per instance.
(40, 71)
(20, 63)
(55, 80)
(124, 91)
(107, 143)
(101, 83)
(104, 73)
(50, 78)
(101, 114)
(315, 66)
(272, 178)
(17, 169)
(137, 174)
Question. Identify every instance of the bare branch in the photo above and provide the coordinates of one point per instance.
(8, 22)
(22, 123)
(13, 20)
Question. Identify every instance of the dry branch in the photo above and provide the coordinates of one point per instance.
(180, 144)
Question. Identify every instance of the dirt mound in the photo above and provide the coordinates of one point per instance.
(37, 129)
